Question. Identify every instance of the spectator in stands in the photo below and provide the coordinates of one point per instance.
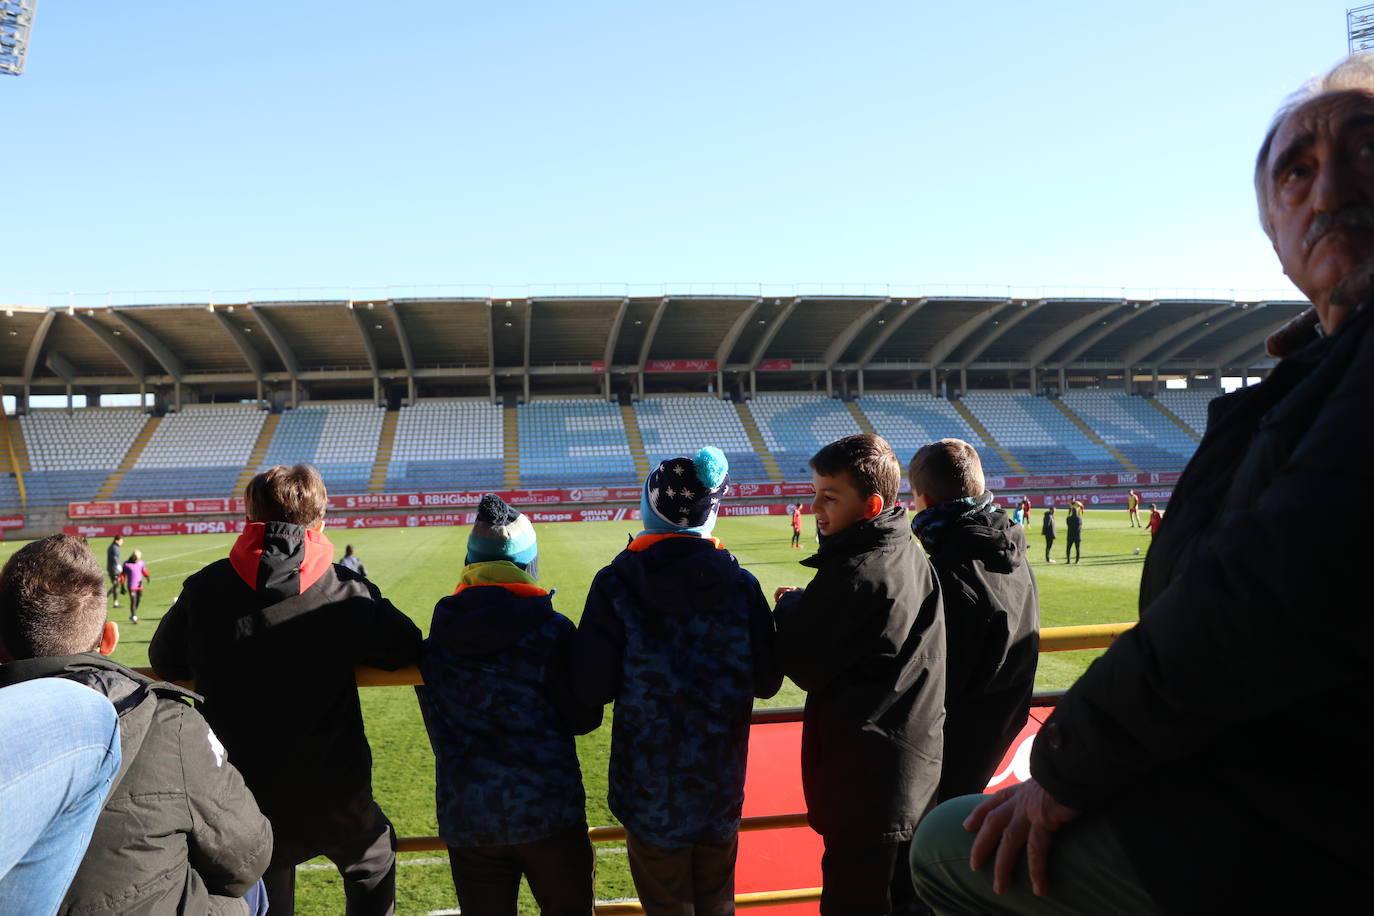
(1047, 532)
(1074, 523)
(1133, 508)
(866, 641)
(796, 526)
(352, 561)
(1156, 519)
(115, 567)
(1188, 770)
(271, 636)
(992, 611)
(180, 833)
(135, 576)
(501, 718)
(55, 783)
(681, 639)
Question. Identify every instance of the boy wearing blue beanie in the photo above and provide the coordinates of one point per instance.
(501, 720)
(681, 638)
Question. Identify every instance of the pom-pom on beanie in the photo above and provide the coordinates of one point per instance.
(501, 533)
(682, 495)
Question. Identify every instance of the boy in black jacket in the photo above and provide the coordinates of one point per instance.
(866, 640)
(179, 834)
(501, 719)
(992, 611)
(271, 636)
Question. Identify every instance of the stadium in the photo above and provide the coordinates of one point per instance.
(413, 407)
(397, 400)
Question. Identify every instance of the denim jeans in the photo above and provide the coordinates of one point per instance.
(58, 759)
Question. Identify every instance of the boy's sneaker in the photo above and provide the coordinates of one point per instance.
(133, 619)
(116, 603)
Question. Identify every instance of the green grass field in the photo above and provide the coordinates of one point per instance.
(415, 567)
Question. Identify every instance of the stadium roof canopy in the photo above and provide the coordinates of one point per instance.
(590, 343)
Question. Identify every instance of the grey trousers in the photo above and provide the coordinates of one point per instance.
(1090, 874)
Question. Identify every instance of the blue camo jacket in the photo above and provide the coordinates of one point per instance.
(681, 638)
(498, 714)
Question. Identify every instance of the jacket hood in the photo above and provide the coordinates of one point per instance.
(677, 574)
(279, 560)
(495, 605)
(887, 528)
(987, 535)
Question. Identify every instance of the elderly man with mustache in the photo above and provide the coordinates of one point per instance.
(1197, 767)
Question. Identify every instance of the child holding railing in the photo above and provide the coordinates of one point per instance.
(509, 788)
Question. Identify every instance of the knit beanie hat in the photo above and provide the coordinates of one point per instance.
(501, 533)
(682, 495)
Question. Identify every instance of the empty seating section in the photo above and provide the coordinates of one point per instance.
(672, 426)
(573, 442)
(442, 445)
(340, 440)
(1188, 406)
(1041, 437)
(72, 455)
(197, 452)
(1132, 425)
(909, 420)
(795, 426)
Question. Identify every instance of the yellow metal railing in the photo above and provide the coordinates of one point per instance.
(1052, 639)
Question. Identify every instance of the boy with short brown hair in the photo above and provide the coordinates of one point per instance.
(179, 834)
(991, 611)
(271, 636)
(866, 640)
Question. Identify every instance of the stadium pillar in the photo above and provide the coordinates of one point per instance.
(259, 391)
(1128, 380)
(525, 378)
(720, 386)
(1063, 380)
(176, 387)
(295, 394)
(829, 385)
(1154, 381)
(1032, 380)
(860, 376)
(753, 386)
(934, 383)
(963, 381)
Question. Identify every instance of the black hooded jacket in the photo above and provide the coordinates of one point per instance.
(866, 641)
(992, 631)
(1222, 727)
(271, 636)
(180, 834)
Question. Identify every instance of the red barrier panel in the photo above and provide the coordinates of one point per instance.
(11, 521)
(772, 859)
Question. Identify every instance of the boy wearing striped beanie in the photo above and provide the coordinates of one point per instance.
(681, 639)
(501, 720)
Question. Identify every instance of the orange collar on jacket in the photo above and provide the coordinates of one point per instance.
(645, 541)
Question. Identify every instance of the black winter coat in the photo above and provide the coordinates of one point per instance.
(866, 640)
(1220, 726)
(180, 834)
(271, 637)
(992, 634)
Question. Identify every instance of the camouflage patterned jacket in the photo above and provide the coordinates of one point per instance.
(499, 715)
(681, 638)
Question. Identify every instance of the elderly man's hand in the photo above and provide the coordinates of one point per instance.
(1022, 816)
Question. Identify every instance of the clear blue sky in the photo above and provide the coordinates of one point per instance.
(350, 145)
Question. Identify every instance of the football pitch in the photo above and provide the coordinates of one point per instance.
(417, 566)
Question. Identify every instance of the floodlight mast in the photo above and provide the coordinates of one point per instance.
(1359, 28)
(16, 21)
